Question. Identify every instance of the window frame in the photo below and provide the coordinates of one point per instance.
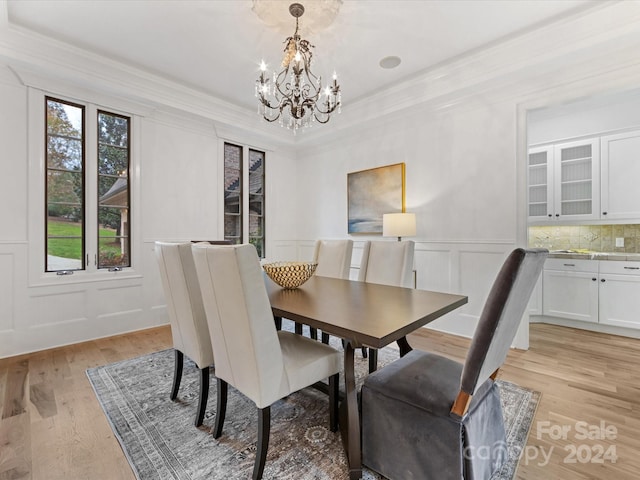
(98, 174)
(37, 229)
(83, 206)
(245, 191)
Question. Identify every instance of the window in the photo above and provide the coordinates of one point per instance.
(87, 189)
(244, 192)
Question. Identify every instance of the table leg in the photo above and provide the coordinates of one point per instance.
(353, 417)
(404, 346)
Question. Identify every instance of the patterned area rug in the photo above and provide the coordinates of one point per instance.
(160, 441)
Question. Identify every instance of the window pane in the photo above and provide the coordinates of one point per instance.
(233, 193)
(255, 205)
(64, 253)
(113, 191)
(256, 200)
(256, 171)
(232, 203)
(113, 238)
(64, 186)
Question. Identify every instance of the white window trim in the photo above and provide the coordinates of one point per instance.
(36, 194)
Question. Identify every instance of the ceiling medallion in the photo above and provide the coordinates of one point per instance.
(295, 95)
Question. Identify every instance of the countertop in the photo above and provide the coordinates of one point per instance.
(579, 255)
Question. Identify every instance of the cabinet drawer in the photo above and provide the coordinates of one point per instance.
(572, 265)
(620, 268)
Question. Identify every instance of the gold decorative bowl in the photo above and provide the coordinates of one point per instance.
(290, 274)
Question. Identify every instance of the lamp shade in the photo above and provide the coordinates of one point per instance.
(399, 224)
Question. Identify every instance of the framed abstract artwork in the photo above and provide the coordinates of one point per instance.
(372, 193)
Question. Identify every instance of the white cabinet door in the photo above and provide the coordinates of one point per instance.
(572, 295)
(620, 300)
(540, 182)
(576, 179)
(620, 176)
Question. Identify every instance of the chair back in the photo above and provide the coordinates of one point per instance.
(501, 316)
(333, 258)
(243, 333)
(388, 263)
(184, 303)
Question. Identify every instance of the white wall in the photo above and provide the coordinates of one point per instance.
(176, 182)
(460, 169)
(584, 117)
(460, 129)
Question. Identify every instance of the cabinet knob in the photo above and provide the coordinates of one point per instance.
(604, 213)
(557, 214)
(603, 280)
(594, 279)
(550, 215)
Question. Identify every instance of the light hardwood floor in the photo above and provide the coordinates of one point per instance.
(52, 426)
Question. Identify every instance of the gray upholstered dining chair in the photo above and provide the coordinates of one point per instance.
(262, 363)
(386, 263)
(426, 416)
(334, 260)
(189, 328)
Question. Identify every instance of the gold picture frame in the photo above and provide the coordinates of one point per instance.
(372, 193)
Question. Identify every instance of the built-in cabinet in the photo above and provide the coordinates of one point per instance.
(564, 182)
(620, 176)
(585, 180)
(619, 294)
(605, 292)
(570, 289)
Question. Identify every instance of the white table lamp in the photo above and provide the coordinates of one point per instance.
(399, 225)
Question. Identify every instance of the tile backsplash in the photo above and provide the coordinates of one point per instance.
(595, 238)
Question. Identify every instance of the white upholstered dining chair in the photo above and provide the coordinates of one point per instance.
(386, 263)
(189, 328)
(334, 260)
(262, 363)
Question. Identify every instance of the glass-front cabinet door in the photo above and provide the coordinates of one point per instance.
(577, 180)
(564, 182)
(540, 177)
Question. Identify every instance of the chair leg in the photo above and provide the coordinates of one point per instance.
(177, 373)
(333, 402)
(204, 395)
(278, 322)
(264, 426)
(221, 408)
(325, 338)
(313, 333)
(373, 360)
(364, 352)
(298, 328)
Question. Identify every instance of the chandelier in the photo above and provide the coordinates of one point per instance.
(295, 95)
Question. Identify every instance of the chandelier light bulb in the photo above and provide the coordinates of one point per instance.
(263, 66)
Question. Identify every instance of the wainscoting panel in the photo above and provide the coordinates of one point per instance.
(434, 269)
(7, 313)
(283, 251)
(121, 299)
(56, 307)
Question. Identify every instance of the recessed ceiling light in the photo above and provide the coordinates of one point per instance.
(390, 62)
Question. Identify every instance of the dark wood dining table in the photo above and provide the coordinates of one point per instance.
(364, 315)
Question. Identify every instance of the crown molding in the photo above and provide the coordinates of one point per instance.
(45, 63)
(607, 25)
(571, 39)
